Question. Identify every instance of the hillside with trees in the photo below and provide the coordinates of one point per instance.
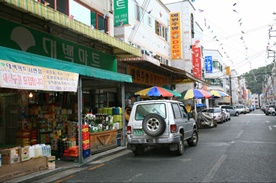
(256, 78)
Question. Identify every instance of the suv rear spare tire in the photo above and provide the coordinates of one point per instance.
(153, 125)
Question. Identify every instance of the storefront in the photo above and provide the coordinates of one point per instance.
(48, 104)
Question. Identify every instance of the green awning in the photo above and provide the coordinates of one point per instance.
(47, 62)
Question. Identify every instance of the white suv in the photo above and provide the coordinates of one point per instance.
(160, 123)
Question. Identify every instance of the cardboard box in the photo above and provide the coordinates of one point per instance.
(24, 153)
(51, 158)
(10, 156)
(51, 165)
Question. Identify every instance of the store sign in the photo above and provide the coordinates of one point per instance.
(196, 59)
(175, 33)
(21, 76)
(30, 40)
(141, 76)
(120, 12)
(208, 64)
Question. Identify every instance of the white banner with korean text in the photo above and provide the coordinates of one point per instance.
(21, 76)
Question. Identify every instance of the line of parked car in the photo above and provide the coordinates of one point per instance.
(269, 109)
(212, 116)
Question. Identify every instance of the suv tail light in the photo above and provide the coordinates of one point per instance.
(128, 129)
(173, 128)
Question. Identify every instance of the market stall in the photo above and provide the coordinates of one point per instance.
(42, 111)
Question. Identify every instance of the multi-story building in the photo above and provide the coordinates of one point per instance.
(255, 100)
(215, 75)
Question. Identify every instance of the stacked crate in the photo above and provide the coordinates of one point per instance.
(85, 141)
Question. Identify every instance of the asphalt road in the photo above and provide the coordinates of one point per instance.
(240, 150)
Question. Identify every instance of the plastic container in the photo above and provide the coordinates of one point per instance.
(38, 150)
(49, 150)
(31, 152)
(44, 150)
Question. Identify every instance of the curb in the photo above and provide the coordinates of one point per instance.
(44, 173)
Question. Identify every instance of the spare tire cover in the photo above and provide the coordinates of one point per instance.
(154, 125)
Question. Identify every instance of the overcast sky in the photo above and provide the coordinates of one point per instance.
(238, 29)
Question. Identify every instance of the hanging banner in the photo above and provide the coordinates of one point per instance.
(196, 59)
(227, 70)
(208, 64)
(21, 76)
(120, 12)
(175, 33)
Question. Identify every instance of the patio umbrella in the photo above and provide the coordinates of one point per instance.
(156, 91)
(218, 94)
(195, 94)
(175, 94)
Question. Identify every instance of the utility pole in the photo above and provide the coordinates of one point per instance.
(231, 98)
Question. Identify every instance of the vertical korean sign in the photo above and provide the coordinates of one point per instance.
(208, 64)
(21, 76)
(196, 59)
(175, 33)
(120, 12)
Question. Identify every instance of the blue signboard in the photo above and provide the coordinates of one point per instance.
(208, 64)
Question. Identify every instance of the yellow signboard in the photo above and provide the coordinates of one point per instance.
(175, 33)
(227, 70)
(141, 76)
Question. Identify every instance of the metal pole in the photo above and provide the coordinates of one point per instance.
(80, 119)
(231, 98)
(123, 113)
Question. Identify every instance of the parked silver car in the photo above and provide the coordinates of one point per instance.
(231, 109)
(160, 123)
(241, 109)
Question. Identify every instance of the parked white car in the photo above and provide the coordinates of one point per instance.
(227, 116)
(241, 109)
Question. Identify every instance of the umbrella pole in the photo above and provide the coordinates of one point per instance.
(195, 111)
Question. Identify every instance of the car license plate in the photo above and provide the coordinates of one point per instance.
(138, 132)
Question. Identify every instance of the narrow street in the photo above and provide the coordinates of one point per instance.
(240, 150)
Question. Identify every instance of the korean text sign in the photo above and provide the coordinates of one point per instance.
(21, 76)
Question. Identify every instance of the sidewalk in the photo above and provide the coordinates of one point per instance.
(65, 165)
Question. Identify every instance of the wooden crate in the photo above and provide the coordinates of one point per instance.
(101, 141)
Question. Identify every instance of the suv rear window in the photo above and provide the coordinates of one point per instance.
(144, 109)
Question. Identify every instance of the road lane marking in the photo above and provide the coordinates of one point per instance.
(134, 177)
(95, 167)
(239, 135)
(64, 179)
(274, 126)
(214, 169)
(270, 128)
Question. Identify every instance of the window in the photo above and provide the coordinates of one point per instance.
(150, 21)
(138, 12)
(192, 26)
(157, 28)
(176, 111)
(59, 5)
(98, 21)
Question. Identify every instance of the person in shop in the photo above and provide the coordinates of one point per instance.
(127, 114)
(188, 107)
